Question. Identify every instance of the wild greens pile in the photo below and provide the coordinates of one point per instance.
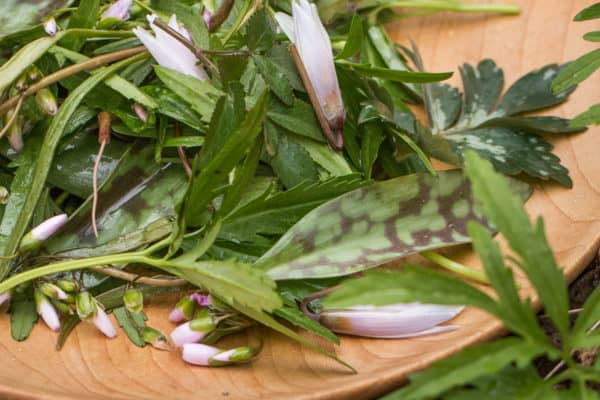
(228, 185)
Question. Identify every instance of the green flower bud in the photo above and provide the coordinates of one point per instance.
(46, 101)
(184, 310)
(53, 291)
(237, 355)
(86, 306)
(34, 74)
(62, 307)
(67, 284)
(134, 300)
(155, 338)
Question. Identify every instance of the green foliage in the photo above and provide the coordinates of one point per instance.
(485, 367)
(23, 314)
(132, 324)
(582, 68)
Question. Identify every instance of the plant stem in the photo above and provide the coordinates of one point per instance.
(456, 267)
(446, 5)
(144, 280)
(71, 70)
(72, 265)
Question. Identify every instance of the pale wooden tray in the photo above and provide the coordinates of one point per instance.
(90, 367)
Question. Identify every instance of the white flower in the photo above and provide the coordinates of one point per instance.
(168, 51)
(390, 322)
(202, 354)
(104, 324)
(47, 311)
(308, 34)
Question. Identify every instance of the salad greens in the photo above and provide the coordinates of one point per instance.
(217, 173)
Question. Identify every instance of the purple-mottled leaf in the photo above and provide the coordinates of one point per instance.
(376, 224)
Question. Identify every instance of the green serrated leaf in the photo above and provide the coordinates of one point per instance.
(374, 225)
(504, 210)
(443, 105)
(353, 40)
(293, 315)
(474, 362)
(482, 87)
(275, 78)
(577, 71)
(292, 163)
(259, 33)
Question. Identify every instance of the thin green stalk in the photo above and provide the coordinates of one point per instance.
(456, 267)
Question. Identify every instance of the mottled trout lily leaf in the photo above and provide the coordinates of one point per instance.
(376, 224)
(135, 206)
(494, 127)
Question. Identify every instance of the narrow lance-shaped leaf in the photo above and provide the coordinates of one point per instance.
(13, 228)
(374, 225)
(353, 40)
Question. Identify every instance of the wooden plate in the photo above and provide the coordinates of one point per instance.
(90, 367)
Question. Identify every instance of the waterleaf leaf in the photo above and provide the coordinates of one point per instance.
(374, 225)
(353, 40)
(292, 163)
(132, 324)
(299, 118)
(504, 210)
(577, 71)
(474, 362)
(173, 106)
(496, 132)
(23, 315)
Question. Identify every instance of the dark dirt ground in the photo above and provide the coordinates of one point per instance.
(579, 291)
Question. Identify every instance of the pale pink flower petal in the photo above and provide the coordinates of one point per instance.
(47, 228)
(50, 26)
(198, 353)
(183, 334)
(119, 10)
(104, 324)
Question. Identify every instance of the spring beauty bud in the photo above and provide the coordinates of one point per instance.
(34, 238)
(314, 58)
(68, 285)
(46, 101)
(183, 311)
(46, 311)
(209, 356)
(168, 51)
(133, 300)
(104, 324)
(4, 297)
(195, 330)
(155, 338)
(50, 26)
(86, 306)
(391, 321)
(203, 300)
(53, 291)
(115, 14)
(140, 111)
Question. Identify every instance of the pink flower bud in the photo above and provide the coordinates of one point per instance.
(193, 331)
(390, 322)
(47, 228)
(140, 111)
(207, 16)
(198, 353)
(203, 300)
(104, 324)
(4, 297)
(46, 311)
(118, 10)
(50, 26)
(183, 311)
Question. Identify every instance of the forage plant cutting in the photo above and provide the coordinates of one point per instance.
(249, 159)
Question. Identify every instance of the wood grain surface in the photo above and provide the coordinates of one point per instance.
(90, 367)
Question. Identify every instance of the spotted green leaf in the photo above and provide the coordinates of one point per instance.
(135, 206)
(374, 225)
(492, 125)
